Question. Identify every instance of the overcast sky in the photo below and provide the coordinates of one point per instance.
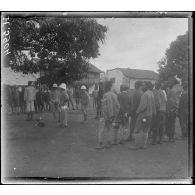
(137, 42)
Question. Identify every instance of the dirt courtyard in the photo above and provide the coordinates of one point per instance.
(30, 151)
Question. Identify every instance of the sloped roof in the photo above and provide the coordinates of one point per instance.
(93, 69)
(138, 73)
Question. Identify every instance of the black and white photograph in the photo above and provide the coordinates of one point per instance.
(96, 97)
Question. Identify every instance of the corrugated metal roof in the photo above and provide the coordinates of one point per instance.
(138, 73)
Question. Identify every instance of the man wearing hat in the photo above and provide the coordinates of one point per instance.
(54, 101)
(63, 105)
(84, 102)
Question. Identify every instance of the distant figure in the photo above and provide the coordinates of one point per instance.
(21, 99)
(63, 106)
(29, 97)
(95, 94)
(99, 100)
(84, 102)
(16, 98)
(136, 97)
(144, 112)
(54, 101)
(77, 96)
(70, 94)
(183, 111)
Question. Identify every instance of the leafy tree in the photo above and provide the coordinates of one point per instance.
(176, 60)
(62, 45)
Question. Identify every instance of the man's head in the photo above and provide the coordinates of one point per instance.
(147, 85)
(157, 85)
(29, 83)
(124, 88)
(62, 86)
(138, 84)
(108, 86)
(83, 88)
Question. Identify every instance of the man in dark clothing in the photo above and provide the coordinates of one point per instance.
(125, 109)
(183, 111)
(136, 97)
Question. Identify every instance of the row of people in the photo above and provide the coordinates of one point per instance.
(152, 113)
(58, 100)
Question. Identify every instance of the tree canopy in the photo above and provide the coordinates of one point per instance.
(62, 46)
(176, 60)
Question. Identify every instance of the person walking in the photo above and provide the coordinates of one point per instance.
(54, 101)
(183, 111)
(144, 112)
(29, 97)
(63, 106)
(136, 97)
(110, 109)
(84, 102)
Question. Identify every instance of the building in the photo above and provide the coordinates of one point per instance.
(130, 76)
(92, 77)
(9, 77)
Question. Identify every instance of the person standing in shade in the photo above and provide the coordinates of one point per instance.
(183, 111)
(70, 95)
(54, 100)
(171, 111)
(29, 97)
(63, 106)
(144, 112)
(110, 109)
(136, 97)
(77, 96)
(84, 102)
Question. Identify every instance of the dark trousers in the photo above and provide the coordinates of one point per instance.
(183, 120)
(132, 126)
(158, 126)
(170, 124)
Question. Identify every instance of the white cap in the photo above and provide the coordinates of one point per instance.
(55, 85)
(83, 87)
(63, 86)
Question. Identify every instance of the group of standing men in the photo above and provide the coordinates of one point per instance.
(152, 110)
(60, 98)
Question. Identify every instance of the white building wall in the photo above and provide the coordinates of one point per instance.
(118, 75)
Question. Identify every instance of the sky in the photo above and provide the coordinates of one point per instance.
(137, 43)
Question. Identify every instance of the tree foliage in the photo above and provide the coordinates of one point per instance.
(62, 45)
(176, 60)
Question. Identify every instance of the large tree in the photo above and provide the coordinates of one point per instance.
(62, 45)
(176, 60)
